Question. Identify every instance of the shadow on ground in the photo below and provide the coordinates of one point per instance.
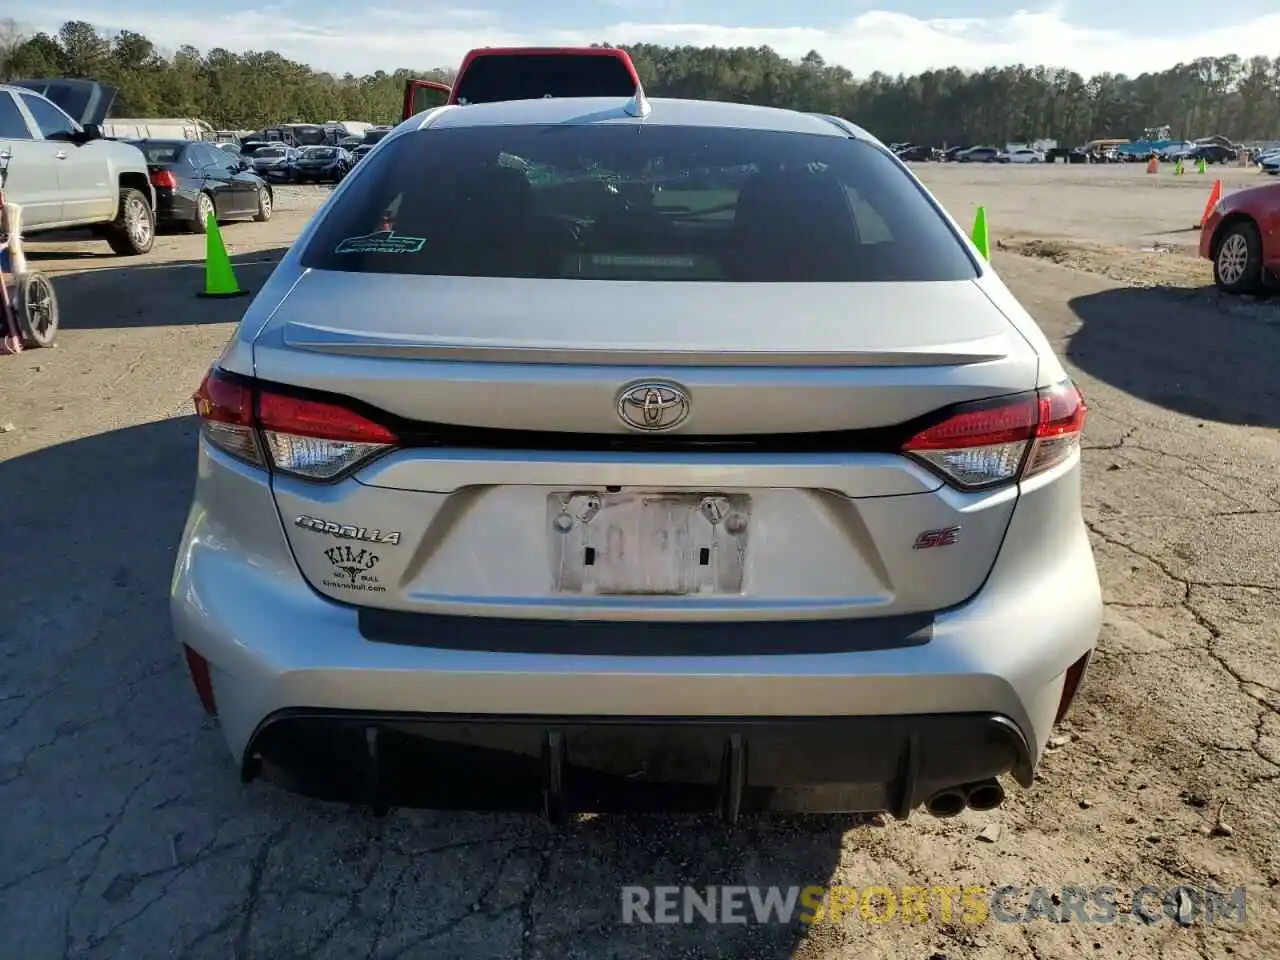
(36, 247)
(144, 294)
(1191, 351)
(101, 736)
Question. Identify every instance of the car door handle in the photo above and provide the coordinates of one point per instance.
(60, 155)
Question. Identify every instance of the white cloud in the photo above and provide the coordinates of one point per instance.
(386, 38)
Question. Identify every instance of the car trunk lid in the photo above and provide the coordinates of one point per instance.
(522, 483)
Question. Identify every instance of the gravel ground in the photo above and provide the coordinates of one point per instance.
(126, 833)
(1119, 204)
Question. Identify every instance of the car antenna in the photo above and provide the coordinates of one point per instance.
(638, 106)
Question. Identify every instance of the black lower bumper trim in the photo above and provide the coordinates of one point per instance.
(563, 765)
(613, 638)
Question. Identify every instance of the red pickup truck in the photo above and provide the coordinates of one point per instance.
(528, 73)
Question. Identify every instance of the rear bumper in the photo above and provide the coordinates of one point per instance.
(175, 206)
(297, 676)
(317, 174)
(561, 765)
(1207, 230)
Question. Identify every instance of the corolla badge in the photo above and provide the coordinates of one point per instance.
(348, 531)
(653, 406)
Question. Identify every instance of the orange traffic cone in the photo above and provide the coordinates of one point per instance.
(1214, 196)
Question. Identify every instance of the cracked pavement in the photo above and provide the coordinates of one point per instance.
(126, 832)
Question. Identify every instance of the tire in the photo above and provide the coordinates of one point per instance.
(204, 207)
(266, 204)
(133, 232)
(36, 307)
(1237, 258)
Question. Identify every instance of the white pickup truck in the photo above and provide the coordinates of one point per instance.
(64, 174)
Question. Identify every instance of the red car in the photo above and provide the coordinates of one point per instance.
(522, 73)
(1241, 235)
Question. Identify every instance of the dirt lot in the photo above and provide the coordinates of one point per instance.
(126, 833)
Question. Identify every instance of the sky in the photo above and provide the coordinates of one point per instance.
(893, 36)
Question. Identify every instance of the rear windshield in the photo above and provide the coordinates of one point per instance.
(320, 153)
(159, 152)
(309, 135)
(527, 76)
(269, 152)
(622, 202)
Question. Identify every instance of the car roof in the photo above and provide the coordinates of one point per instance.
(664, 112)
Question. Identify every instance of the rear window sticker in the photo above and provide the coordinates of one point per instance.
(384, 241)
(629, 260)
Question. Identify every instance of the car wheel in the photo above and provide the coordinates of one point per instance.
(36, 307)
(133, 231)
(204, 209)
(1237, 263)
(264, 205)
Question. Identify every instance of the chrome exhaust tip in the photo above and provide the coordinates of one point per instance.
(946, 803)
(984, 795)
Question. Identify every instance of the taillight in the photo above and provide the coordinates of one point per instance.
(990, 443)
(318, 440)
(313, 439)
(225, 409)
(164, 179)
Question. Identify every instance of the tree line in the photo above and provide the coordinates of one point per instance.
(1231, 96)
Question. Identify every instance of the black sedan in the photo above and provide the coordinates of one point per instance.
(1212, 153)
(914, 153)
(274, 162)
(321, 165)
(193, 179)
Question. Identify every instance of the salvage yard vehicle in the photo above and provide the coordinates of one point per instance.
(489, 74)
(194, 180)
(981, 155)
(750, 491)
(1022, 155)
(912, 152)
(64, 173)
(1241, 236)
(321, 165)
(274, 162)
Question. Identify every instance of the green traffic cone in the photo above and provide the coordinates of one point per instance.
(980, 238)
(219, 278)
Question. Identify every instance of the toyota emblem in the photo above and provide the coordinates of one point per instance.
(653, 407)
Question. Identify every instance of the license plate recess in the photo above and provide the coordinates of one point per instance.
(642, 543)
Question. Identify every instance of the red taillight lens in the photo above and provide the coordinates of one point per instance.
(313, 439)
(1062, 413)
(225, 409)
(202, 680)
(1071, 686)
(995, 442)
(164, 179)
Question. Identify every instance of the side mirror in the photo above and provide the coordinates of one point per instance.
(92, 132)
